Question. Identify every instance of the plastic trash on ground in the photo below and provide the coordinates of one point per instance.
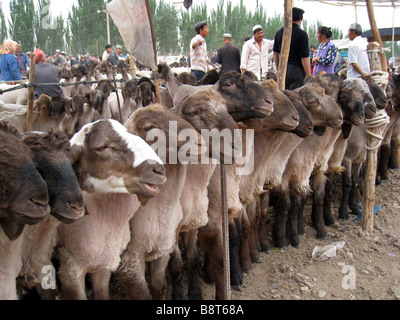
(326, 252)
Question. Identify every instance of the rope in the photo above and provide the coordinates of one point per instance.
(18, 112)
(225, 234)
(61, 84)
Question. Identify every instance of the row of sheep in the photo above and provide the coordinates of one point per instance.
(136, 215)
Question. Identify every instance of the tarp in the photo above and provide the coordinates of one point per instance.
(132, 20)
(385, 33)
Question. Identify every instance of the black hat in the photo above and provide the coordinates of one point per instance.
(199, 25)
(297, 13)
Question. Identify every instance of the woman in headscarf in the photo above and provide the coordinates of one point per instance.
(326, 55)
(9, 64)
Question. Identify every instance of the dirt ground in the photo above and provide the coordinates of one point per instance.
(366, 268)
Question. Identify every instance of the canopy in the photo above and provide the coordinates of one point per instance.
(386, 34)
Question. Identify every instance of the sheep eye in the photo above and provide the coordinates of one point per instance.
(148, 128)
(102, 148)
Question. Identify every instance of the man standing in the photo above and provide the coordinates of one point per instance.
(106, 53)
(358, 56)
(198, 50)
(115, 56)
(255, 53)
(46, 73)
(299, 55)
(23, 59)
(59, 60)
(228, 55)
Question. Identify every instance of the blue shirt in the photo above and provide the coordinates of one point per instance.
(9, 66)
(25, 61)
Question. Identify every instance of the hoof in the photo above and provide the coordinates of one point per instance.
(237, 288)
(280, 250)
(260, 261)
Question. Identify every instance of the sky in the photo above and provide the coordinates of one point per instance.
(330, 15)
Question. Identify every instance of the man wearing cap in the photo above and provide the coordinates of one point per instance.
(228, 55)
(198, 51)
(115, 56)
(357, 53)
(298, 65)
(59, 60)
(46, 73)
(23, 59)
(255, 53)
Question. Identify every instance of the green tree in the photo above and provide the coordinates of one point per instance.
(22, 12)
(3, 27)
(165, 22)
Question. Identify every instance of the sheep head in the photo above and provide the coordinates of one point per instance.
(157, 123)
(109, 159)
(23, 195)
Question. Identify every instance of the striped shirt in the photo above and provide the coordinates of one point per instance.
(198, 56)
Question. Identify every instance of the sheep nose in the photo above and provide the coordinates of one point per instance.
(78, 208)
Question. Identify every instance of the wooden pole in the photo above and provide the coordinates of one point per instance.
(287, 36)
(155, 81)
(132, 66)
(31, 92)
(375, 33)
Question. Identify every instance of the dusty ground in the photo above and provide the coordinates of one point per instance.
(366, 268)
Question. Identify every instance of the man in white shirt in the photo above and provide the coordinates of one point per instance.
(107, 52)
(255, 53)
(198, 50)
(357, 56)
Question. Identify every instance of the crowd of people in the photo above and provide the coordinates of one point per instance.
(255, 57)
(15, 64)
(303, 59)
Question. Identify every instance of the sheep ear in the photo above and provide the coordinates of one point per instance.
(11, 228)
(319, 130)
(347, 127)
(75, 153)
(44, 113)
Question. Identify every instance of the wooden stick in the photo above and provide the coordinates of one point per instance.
(31, 92)
(287, 36)
(155, 81)
(375, 33)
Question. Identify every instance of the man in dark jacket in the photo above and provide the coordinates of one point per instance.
(228, 55)
(299, 55)
(46, 73)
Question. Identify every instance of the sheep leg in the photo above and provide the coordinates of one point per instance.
(100, 280)
(192, 257)
(294, 215)
(235, 231)
(318, 204)
(176, 269)
(71, 276)
(281, 204)
(393, 164)
(262, 227)
(244, 250)
(383, 162)
(353, 197)
(328, 217)
(158, 281)
(253, 216)
(73, 288)
(211, 240)
(131, 275)
(346, 188)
